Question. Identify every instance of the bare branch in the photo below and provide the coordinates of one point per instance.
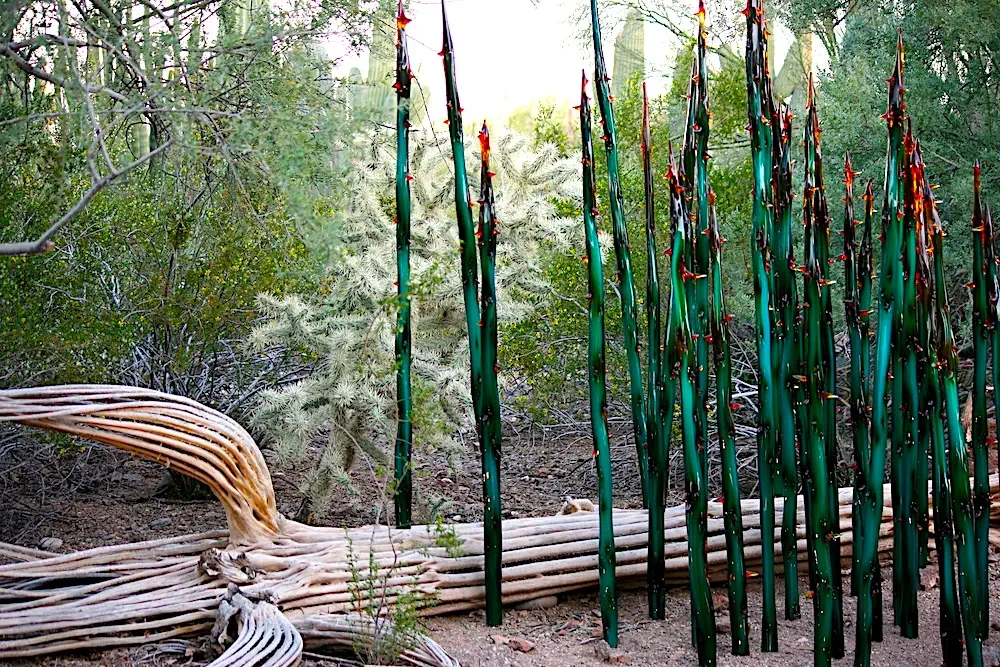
(59, 82)
(44, 242)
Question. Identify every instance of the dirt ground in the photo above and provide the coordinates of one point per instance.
(97, 497)
(568, 635)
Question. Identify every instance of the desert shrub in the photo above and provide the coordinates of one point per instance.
(348, 326)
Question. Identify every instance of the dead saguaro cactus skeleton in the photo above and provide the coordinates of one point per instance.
(132, 594)
(149, 591)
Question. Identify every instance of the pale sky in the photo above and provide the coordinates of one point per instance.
(512, 53)
(507, 53)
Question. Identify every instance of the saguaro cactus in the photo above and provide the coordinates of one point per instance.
(403, 479)
(733, 516)
(655, 589)
(623, 255)
(758, 92)
(598, 390)
(695, 481)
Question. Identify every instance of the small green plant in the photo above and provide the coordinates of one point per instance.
(446, 537)
(64, 444)
(393, 609)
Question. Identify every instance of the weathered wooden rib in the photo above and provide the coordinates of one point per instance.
(149, 591)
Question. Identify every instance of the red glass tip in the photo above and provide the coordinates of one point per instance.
(402, 20)
(484, 144)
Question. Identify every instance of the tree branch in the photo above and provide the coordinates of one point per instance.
(44, 242)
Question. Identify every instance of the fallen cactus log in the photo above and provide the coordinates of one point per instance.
(262, 632)
(145, 592)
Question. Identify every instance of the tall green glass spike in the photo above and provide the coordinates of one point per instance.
(872, 463)
(822, 244)
(694, 165)
(950, 624)
(623, 256)
(695, 481)
(475, 325)
(761, 138)
(993, 332)
(490, 429)
(823, 520)
(958, 462)
(906, 566)
(655, 584)
(403, 479)
(980, 432)
(732, 513)
(857, 309)
(787, 389)
(596, 372)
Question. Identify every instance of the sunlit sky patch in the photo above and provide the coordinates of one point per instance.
(514, 53)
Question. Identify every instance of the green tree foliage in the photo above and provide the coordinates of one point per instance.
(953, 98)
(194, 152)
(547, 130)
(550, 347)
(348, 328)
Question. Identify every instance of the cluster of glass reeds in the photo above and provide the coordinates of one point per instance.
(903, 398)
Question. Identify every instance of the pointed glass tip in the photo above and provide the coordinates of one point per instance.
(484, 142)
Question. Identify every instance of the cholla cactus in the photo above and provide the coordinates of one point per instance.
(349, 401)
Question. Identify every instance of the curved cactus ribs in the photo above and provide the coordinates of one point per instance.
(275, 577)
